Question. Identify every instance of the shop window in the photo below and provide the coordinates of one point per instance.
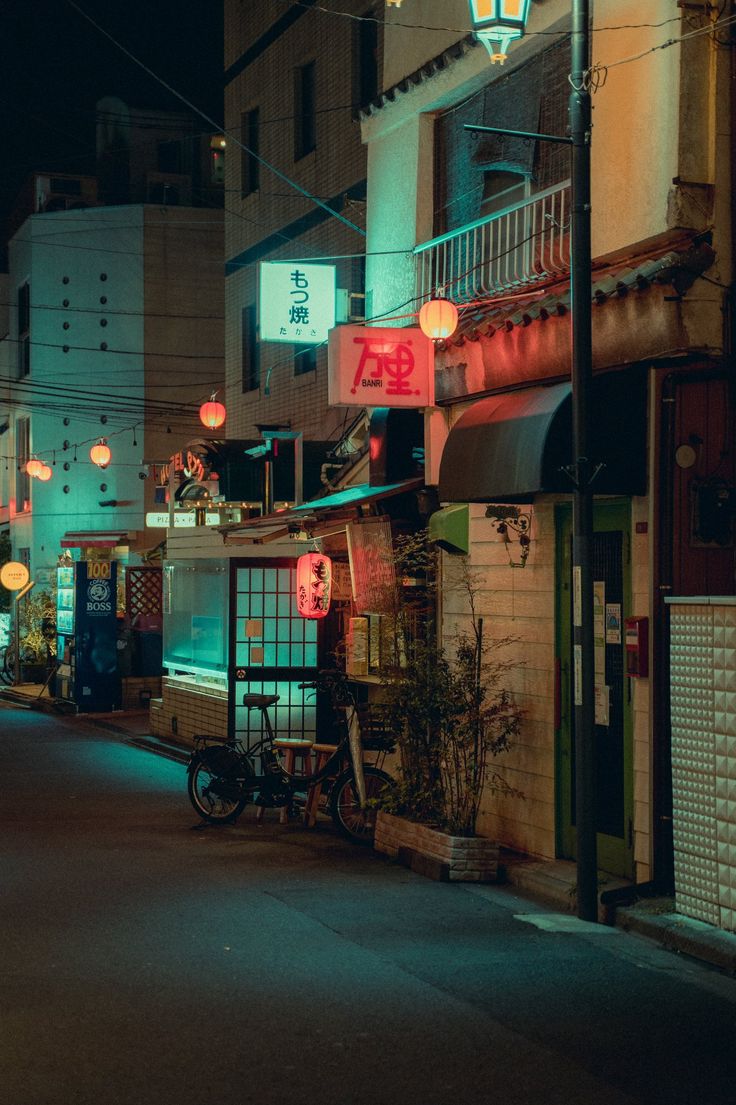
(305, 111)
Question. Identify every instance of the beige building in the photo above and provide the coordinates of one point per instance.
(486, 221)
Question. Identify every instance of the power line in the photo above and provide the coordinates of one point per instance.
(251, 153)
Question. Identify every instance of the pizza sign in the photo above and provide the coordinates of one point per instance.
(372, 366)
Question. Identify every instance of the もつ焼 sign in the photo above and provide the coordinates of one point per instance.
(380, 366)
(297, 302)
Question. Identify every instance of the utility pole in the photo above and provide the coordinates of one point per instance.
(582, 469)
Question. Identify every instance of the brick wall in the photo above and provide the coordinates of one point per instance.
(184, 711)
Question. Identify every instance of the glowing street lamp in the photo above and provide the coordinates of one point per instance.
(497, 23)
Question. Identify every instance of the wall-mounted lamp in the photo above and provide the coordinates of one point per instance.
(513, 524)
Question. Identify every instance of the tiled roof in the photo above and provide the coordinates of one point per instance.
(678, 267)
(435, 65)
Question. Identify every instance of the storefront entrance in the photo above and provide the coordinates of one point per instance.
(614, 721)
(272, 650)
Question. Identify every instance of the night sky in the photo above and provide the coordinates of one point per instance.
(55, 66)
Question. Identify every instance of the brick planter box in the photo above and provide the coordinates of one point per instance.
(435, 854)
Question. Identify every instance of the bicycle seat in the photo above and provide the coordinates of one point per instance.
(254, 701)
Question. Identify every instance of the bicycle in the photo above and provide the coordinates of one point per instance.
(222, 777)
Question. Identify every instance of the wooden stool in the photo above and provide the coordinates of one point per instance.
(290, 749)
(323, 753)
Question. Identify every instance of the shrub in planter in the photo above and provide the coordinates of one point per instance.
(450, 713)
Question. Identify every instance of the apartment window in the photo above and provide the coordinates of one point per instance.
(471, 171)
(305, 114)
(305, 360)
(250, 169)
(501, 189)
(24, 329)
(169, 157)
(22, 455)
(251, 351)
(365, 59)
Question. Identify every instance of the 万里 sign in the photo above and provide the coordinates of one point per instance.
(380, 366)
(297, 302)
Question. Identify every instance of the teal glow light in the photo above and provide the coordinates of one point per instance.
(498, 22)
(296, 302)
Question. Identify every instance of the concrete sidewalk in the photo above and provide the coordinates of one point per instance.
(551, 882)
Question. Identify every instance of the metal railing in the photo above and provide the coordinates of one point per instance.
(523, 244)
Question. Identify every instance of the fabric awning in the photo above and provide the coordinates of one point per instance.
(95, 539)
(508, 448)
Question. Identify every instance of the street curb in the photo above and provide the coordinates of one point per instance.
(683, 934)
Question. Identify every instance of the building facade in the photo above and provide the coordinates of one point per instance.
(484, 222)
(295, 191)
(115, 333)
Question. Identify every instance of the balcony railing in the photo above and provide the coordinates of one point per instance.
(524, 244)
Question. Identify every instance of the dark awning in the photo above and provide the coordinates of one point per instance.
(507, 448)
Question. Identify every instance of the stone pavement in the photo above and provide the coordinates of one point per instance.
(549, 882)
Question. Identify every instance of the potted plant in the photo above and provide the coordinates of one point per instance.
(37, 636)
(451, 716)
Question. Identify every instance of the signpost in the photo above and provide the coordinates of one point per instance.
(15, 577)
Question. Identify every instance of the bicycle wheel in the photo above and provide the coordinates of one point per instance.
(353, 822)
(214, 798)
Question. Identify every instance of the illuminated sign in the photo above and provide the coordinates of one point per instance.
(297, 302)
(379, 366)
(159, 519)
(14, 575)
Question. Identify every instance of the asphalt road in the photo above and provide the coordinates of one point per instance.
(146, 960)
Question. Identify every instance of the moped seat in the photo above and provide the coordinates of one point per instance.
(256, 701)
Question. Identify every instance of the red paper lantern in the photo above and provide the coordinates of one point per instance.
(33, 466)
(100, 454)
(44, 474)
(313, 585)
(438, 319)
(212, 414)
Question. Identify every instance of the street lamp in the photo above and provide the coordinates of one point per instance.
(488, 14)
(497, 23)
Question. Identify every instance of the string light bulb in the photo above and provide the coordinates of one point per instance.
(33, 466)
(44, 474)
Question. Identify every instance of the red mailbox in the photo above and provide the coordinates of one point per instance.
(636, 640)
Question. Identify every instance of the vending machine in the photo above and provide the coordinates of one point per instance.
(87, 630)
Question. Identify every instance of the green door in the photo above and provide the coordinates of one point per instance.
(614, 716)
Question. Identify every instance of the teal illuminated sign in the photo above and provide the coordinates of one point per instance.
(297, 302)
